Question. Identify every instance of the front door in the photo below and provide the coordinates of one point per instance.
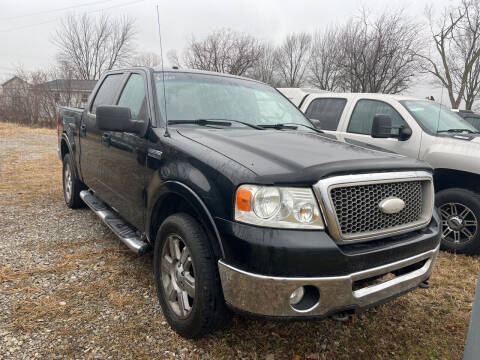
(125, 155)
(360, 126)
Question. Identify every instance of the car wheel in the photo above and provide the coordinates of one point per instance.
(71, 184)
(187, 279)
(460, 215)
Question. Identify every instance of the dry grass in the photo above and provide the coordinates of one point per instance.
(28, 175)
(109, 308)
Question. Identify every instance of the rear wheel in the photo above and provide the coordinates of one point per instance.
(460, 215)
(71, 184)
(187, 280)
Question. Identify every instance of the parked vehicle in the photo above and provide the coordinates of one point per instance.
(245, 205)
(470, 116)
(420, 129)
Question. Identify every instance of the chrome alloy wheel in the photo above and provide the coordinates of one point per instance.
(178, 276)
(67, 181)
(459, 223)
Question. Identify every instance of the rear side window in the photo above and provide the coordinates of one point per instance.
(327, 110)
(106, 94)
(133, 97)
(364, 112)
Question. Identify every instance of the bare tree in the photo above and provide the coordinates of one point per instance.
(223, 51)
(456, 38)
(379, 55)
(292, 58)
(325, 67)
(149, 59)
(27, 100)
(91, 46)
(173, 59)
(472, 85)
(265, 69)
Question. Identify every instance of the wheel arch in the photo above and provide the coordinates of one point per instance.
(173, 197)
(64, 147)
(450, 178)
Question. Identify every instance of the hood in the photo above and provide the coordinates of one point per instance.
(293, 157)
(456, 152)
(474, 138)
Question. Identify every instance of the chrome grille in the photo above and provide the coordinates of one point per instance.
(358, 211)
(351, 204)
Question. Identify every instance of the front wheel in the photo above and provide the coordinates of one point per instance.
(460, 213)
(187, 280)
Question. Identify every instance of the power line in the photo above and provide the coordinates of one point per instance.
(58, 18)
(54, 10)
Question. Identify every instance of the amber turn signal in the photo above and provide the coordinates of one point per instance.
(244, 199)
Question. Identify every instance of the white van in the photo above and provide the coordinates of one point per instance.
(417, 128)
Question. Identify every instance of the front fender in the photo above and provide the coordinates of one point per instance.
(156, 194)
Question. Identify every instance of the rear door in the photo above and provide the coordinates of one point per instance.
(125, 155)
(359, 125)
(91, 136)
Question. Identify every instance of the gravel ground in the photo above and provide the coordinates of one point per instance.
(70, 289)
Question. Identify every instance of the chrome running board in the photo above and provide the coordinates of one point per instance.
(124, 231)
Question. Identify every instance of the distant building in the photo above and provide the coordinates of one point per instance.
(14, 91)
(70, 92)
(64, 91)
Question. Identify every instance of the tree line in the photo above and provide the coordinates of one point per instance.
(384, 53)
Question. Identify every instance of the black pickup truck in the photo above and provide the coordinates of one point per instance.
(245, 204)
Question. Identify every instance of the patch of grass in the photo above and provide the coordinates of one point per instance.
(24, 177)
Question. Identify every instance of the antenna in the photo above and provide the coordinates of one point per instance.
(167, 134)
(439, 110)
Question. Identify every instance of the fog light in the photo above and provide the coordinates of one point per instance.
(297, 295)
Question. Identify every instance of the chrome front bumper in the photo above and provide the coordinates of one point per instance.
(270, 296)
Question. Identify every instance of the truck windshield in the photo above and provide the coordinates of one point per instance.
(193, 96)
(435, 118)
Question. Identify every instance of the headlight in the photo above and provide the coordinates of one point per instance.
(278, 207)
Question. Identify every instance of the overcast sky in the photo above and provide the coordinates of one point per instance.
(26, 26)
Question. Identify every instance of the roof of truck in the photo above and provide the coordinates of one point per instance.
(205, 72)
(369, 95)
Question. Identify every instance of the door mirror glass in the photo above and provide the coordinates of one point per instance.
(382, 127)
(117, 118)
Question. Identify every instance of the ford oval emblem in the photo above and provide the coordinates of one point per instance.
(391, 205)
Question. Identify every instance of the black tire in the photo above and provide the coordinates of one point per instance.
(208, 311)
(72, 194)
(460, 211)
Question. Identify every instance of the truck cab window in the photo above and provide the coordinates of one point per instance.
(364, 112)
(475, 121)
(327, 110)
(133, 97)
(107, 91)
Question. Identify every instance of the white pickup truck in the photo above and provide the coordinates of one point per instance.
(417, 128)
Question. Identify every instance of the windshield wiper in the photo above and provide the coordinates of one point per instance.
(219, 122)
(308, 127)
(457, 131)
(288, 126)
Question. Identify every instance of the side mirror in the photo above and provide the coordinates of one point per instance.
(382, 127)
(404, 133)
(316, 123)
(117, 118)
